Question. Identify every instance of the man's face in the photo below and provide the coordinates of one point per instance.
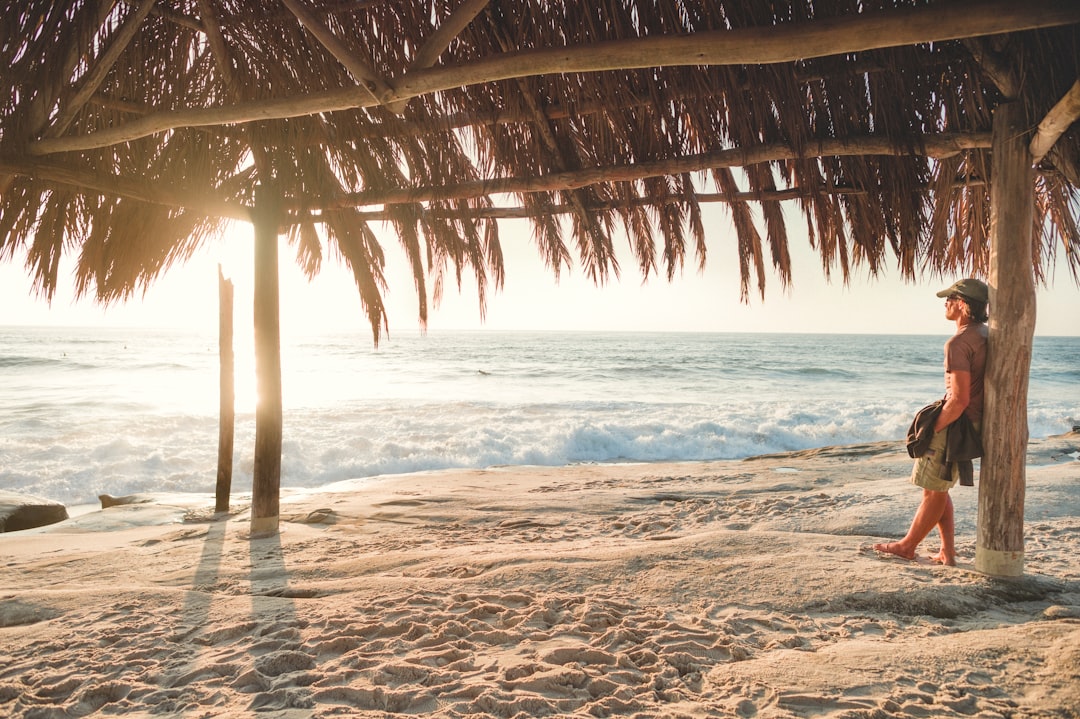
(954, 307)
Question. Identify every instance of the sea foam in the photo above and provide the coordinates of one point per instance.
(124, 411)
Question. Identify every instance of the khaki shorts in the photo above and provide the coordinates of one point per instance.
(931, 471)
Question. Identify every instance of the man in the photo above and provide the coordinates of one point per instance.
(965, 364)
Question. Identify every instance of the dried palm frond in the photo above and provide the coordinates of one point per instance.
(130, 132)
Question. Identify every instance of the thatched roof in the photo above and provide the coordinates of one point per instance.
(132, 131)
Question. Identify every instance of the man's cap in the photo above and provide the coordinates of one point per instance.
(970, 289)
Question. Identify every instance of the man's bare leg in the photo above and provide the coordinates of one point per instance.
(930, 512)
(947, 527)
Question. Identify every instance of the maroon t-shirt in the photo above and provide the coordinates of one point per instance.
(966, 352)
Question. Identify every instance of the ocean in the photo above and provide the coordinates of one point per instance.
(86, 411)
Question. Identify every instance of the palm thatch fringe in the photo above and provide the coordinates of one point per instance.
(875, 122)
(751, 46)
(130, 132)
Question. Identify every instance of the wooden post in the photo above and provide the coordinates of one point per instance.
(1000, 546)
(266, 480)
(227, 393)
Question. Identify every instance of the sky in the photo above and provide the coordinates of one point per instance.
(708, 301)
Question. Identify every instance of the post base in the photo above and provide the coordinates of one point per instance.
(999, 563)
(264, 526)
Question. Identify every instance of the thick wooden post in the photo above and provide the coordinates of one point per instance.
(227, 394)
(266, 480)
(1000, 546)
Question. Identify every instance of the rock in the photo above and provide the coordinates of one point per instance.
(321, 516)
(318, 516)
(107, 500)
(1059, 611)
(24, 511)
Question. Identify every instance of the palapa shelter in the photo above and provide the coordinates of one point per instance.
(928, 137)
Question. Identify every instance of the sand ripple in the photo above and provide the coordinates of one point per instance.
(733, 591)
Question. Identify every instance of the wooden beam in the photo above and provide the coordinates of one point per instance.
(135, 188)
(459, 120)
(174, 17)
(377, 87)
(596, 255)
(218, 49)
(93, 78)
(773, 44)
(179, 19)
(940, 146)
(760, 45)
(519, 212)
(145, 190)
(1000, 72)
(439, 40)
(1056, 122)
(226, 395)
(451, 27)
(266, 474)
(522, 213)
(41, 105)
(999, 549)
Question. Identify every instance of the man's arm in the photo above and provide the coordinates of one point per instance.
(957, 400)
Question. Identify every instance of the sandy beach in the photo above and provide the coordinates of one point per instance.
(706, 589)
